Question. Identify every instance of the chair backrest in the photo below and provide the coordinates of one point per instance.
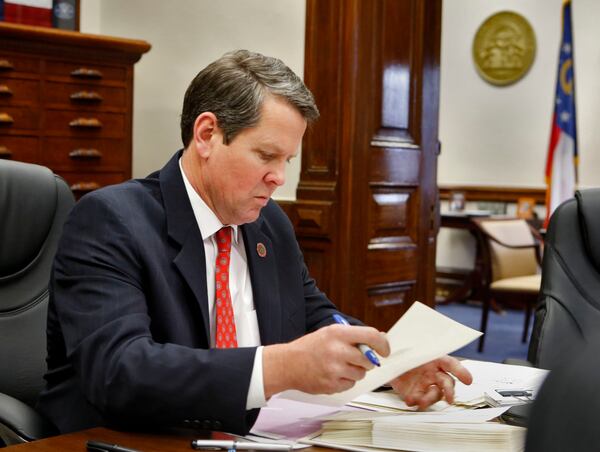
(34, 203)
(568, 311)
(507, 262)
(564, 415)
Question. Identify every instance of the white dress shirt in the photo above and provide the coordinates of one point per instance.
(240, 287)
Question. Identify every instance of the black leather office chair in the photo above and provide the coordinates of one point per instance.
(564, 416)
(34, 204)
(568, 310)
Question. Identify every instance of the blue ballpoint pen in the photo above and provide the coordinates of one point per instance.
(370, 354)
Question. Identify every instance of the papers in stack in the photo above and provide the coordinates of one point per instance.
(466, 430)
(418, 337)
(492, 380)
(390, 402)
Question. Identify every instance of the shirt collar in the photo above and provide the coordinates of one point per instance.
(207, 220)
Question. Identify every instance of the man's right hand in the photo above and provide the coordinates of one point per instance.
(323, 362)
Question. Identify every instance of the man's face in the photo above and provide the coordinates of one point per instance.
(239, 178)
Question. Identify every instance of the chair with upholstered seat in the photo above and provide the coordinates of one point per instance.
(568, 312)
(34, 204)
(511, 256)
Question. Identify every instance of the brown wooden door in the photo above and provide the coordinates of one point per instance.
(366, 212)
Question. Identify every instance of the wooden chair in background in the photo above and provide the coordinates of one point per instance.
(511, 266)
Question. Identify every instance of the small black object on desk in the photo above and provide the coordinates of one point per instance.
(97, 446)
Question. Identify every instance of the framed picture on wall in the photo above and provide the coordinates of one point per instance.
(457, 201)
(62, 14)
(525, 208)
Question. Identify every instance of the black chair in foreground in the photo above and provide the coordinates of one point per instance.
(564, 416)
(568, 311)
(34, 204)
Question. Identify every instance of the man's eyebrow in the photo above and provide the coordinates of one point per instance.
(270, 148)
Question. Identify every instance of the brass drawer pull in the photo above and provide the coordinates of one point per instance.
(5, 118)
(86, 96)
(84, 72)
(5, 91)
(85, 154)
(85, 123)
(5, 153)
(84, 186)
(6, 65)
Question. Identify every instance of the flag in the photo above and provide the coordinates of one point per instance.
(562, 159)
(31, 12)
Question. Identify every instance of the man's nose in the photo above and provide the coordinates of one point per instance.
(277, 175)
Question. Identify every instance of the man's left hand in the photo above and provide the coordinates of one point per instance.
(425, 385)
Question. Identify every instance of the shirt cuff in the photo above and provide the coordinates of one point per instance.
(256, 391)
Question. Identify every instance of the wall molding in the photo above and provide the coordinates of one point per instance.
(494, 193)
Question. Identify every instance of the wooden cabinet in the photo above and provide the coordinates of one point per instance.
(66, 102)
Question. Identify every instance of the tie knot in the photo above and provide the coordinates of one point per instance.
(224, 239)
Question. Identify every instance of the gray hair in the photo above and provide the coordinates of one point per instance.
(234, 88)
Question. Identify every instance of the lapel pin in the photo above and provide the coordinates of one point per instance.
(261, 249)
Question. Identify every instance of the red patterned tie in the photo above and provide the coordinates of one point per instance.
(225, 336)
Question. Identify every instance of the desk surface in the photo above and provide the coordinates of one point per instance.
(144, 442)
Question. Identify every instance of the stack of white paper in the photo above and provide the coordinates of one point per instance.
(466, 430)
(488, 436)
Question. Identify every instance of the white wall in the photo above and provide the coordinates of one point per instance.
(186, 35)
(490, 135)
(499, 135)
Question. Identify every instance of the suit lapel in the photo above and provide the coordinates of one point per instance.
(265, 287)
(183, 229)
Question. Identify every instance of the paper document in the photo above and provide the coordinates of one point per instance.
(461, 416)
(284, 419)
(488, 377)
(419, 336)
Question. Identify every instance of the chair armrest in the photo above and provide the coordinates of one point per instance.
(20, 423)
(508, 245)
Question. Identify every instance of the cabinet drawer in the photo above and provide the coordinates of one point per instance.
(79, 154)
(86, 72)
(15, 65)
(84, 124)
(24, 149)
(84, 95)
(14, 91)
(18, 118)
(84, 182)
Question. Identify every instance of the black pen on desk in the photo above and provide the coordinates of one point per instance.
(97, 446)
(370, 354)
(218, 444)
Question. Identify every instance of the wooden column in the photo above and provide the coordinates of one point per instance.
(366, 213)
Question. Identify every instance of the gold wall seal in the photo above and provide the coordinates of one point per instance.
(504, 48)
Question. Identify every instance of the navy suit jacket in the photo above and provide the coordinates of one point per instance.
(128, 326)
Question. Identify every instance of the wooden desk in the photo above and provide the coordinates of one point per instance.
(144, 442)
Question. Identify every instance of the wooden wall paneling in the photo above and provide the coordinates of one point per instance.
(389, 302)
(369, 163)
(494, 193)
(429, 38)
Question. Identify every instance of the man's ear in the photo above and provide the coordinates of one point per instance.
(206, 131)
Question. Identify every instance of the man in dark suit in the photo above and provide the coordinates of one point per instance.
(182, 299)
